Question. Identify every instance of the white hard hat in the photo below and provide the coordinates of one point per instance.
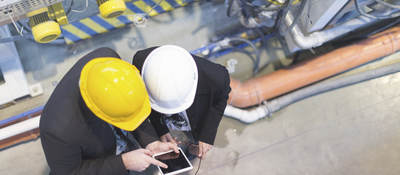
(171, 76)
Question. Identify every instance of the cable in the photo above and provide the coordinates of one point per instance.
(281, 13)
(229, 9)
(213, 54)
(256, 8)
(69, 7)
(235, 49)
(198, 168)
(248, 53)
(296, 18)
(264, 44)
(26, 27)
(388, 4)
(255, 50)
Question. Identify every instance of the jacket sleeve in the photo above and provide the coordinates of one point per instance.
(156, 120)
(145, 134)
(209, 125)
(66, 159)
(140, 57)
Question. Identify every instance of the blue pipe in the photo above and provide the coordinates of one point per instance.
(199, 50)
(227, 51)
(16, 117)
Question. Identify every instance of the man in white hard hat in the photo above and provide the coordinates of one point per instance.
(187, 93)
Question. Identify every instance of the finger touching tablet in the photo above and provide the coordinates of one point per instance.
(177, 162)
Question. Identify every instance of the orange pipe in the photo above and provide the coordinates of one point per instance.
(256, 90)
(23, 137)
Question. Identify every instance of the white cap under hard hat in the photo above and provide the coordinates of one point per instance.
(170, 74)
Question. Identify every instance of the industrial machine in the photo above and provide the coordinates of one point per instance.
(46, 16)
(306, 24)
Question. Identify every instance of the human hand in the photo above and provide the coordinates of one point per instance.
(168, 138)
(203, 149)
(158, 146)
(139, 160)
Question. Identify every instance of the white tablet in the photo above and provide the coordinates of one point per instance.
(177, 162)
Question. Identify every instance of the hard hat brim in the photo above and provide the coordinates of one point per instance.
(173, 110)
(137, 118)
(129, 124)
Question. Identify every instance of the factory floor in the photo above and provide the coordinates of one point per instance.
(353, 130)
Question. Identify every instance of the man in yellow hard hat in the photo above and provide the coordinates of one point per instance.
(93, 117)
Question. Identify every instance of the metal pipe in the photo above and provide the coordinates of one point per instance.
(246, 116)
(316, 39)
(22, 115)
(19, 128)
(256, 90)
(26, 136)
(267, 108)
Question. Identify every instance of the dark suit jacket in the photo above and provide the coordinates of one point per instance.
(210, 101)
(74, 140)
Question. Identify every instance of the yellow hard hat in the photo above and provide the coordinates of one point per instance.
(114, 91)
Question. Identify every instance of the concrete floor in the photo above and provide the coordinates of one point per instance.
(349, 131)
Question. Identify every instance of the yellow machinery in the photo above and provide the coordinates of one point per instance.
(44, 29)
(111, 8)
(46, 16)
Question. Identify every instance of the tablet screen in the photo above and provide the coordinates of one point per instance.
(175, 161)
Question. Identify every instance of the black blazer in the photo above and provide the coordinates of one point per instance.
(210, 101)
(74, 140)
